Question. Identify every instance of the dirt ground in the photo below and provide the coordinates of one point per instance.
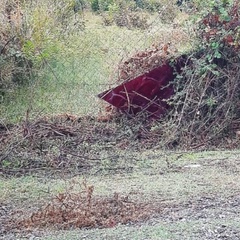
(72, 181)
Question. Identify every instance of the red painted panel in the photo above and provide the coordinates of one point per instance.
(146, 93)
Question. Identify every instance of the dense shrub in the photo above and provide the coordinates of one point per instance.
(148, 5)
(94, 5)
(133, 13)
(100, 5)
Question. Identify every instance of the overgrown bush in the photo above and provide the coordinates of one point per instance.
(206, 104)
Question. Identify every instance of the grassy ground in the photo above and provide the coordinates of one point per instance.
(196, 194)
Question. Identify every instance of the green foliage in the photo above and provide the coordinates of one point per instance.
(95, 5)
(146, 5)
(152, 5)
(209, 5)
(132, 13)
(218, 30)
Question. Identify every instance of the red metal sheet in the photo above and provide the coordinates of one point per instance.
(146, 93)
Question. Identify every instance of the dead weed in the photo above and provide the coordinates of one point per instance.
(81, 210)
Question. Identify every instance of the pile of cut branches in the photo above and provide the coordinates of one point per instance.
(68, 143)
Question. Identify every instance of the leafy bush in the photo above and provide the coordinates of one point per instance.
(133, 14)
(148, 5)
(95, 5)
(100, 5)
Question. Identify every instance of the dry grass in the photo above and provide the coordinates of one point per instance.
(69, 210)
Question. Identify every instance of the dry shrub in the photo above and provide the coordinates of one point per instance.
(206, 106)
(131, 20)
(83, 210)
(168, 12)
